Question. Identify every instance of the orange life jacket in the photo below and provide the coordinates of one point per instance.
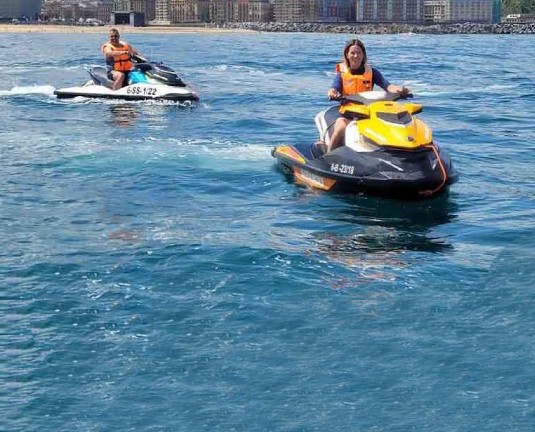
(353, 84)
(121, 62)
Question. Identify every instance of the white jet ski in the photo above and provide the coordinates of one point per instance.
(148, 81)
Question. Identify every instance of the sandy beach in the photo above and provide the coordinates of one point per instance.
(52, 28)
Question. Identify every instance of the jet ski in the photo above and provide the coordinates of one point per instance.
(387, 151)
(148, 81)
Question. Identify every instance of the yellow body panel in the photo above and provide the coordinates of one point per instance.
(290, 152)
(391, 124)
(353, 109)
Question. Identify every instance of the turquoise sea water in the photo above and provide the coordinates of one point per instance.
(157, 272)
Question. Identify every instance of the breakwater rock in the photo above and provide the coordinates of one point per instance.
(461, 28)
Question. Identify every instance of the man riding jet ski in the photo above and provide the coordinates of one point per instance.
(118, 55)
(130, 76)
(387, 151)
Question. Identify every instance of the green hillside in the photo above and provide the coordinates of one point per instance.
(518, 6)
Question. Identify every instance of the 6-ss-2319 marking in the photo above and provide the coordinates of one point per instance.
(342, 168)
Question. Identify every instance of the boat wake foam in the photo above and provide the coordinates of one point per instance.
(28, 90)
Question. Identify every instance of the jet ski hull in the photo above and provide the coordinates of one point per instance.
(134, 92)
(395, 173)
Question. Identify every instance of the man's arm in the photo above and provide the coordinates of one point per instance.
(132, 50)
(109, 52)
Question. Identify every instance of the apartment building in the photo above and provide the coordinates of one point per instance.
(168, 12)
(188, 11)
(73, 10)
(221, 11)
(329, 11)
(335, 11)
(390, 11)
(448, 11)
(104, 10)
(295, 10)
(145, 7)
(161, 12)
(260, 11)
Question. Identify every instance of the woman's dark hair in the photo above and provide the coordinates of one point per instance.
(358, 43)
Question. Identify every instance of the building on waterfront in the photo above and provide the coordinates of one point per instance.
(74, 10)
(104, 10)
(457, 11)
(168, 12)
(297, 11)
(497, 11)
(291, 10)
(259, 11)
(68, 10)
(390, 11)
(161, 12)
(52, 10)
(436, 11)
(13, 9)
(222, 11)
(471, 11)
(331, 11)
(144, 8)
(188, 11)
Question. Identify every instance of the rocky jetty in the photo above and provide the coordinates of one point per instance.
(463, 28)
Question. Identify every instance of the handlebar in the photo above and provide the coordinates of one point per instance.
(360, 99)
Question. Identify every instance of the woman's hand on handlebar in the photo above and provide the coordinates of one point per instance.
(405, 92)
(334, 94)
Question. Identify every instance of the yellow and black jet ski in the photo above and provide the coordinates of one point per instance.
(387, 151)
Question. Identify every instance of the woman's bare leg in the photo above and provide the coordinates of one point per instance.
(337, 138)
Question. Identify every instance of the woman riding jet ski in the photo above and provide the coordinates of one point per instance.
(387, 151)
(130, 76)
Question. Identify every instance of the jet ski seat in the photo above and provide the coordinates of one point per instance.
(318, 149)
(101, 76)
(325, 121)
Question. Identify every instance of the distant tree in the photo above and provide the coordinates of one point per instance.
(518, 6)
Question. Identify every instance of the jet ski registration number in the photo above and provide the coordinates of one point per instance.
(342, 168)
(138, 90)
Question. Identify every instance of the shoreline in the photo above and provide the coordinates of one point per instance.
(367, 28)
(123, 29)
(276, 27)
